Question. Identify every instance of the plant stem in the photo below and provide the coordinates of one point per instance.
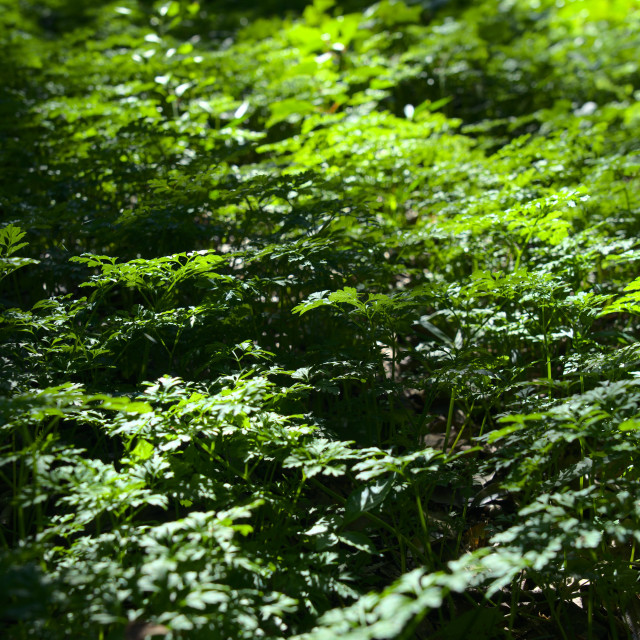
(452, 400)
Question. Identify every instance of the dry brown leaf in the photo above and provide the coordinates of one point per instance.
(139, 630)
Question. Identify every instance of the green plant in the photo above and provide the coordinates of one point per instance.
(319, 319)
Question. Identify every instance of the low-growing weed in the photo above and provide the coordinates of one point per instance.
(319, 320)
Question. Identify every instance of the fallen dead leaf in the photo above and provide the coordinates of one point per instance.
(139, 630)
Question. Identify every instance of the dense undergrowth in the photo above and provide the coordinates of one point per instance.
(320, 320)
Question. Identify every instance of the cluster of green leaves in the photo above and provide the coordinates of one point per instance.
(319, 320)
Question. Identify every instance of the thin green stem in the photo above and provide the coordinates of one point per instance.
(447, 433)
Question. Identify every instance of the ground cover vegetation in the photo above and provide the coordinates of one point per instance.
(319, 320)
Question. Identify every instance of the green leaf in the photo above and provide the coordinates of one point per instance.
(318, 299)
(142, 451)
(367, 498)
(347, 295)
(357, 540)
(290, 110)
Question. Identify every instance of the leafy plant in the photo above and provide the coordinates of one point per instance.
(319, 319)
